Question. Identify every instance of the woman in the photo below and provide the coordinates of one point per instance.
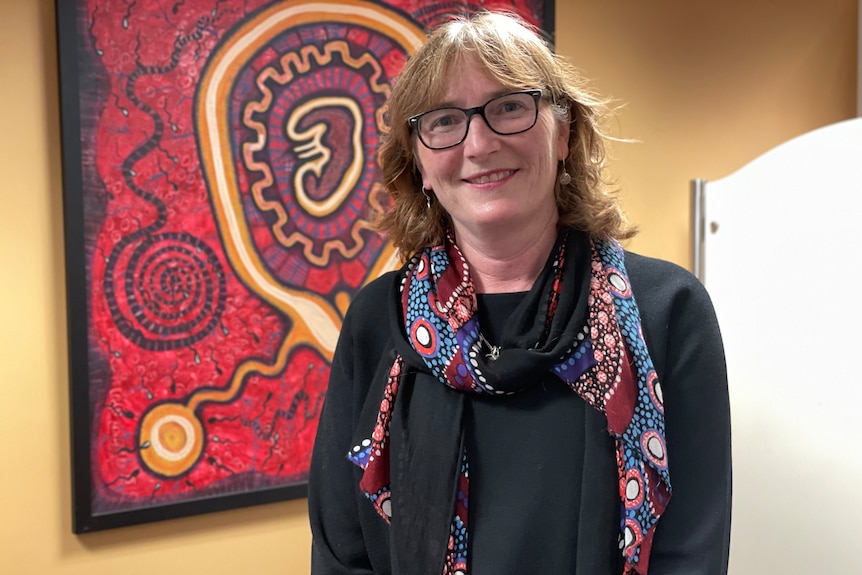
(501, 398)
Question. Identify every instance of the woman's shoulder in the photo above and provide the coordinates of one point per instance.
(669, 296)
(375, 296)
(368, 314)
(677, 316)
(658, 280)
(366, 333)
(646, 268)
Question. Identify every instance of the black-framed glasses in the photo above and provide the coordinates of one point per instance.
(508, 114)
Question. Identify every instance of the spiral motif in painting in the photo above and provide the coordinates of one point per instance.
(228, 156)
(172, 292)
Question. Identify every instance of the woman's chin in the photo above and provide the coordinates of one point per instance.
(495, 223)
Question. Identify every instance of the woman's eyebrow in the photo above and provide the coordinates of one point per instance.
(488, 98)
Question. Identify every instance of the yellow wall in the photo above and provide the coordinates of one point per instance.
(709, 86)
(35, 500)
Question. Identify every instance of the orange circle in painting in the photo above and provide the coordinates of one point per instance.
(171, 439)
(173, 436)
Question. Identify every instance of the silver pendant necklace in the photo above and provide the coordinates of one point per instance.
(493, 350)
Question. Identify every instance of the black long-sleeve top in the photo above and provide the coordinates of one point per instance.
(543, 482)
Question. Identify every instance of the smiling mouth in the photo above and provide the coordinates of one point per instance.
(493, 177)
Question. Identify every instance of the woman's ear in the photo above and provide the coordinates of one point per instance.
(417, 172)
(563, 139)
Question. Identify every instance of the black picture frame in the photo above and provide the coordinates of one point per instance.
(84, 87)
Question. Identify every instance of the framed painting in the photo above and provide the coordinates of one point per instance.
(219, 177)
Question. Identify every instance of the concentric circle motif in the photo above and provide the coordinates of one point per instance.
(634, 488)
(420, 272)
(619, 286)
(633, 537)
(171, 439)
(312, 115)
(384, 503)
(655, 391)
(654, 448)
(425, 337)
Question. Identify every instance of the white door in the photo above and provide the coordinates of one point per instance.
(781, 260)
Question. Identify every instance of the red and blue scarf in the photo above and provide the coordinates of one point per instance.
(594, 343)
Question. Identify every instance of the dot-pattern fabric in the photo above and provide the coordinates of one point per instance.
(606, 362)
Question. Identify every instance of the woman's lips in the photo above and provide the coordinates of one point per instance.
(490, 177)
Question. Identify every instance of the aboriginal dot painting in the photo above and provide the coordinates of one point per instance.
(220, 176)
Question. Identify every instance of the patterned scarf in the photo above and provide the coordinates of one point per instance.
(594, 344)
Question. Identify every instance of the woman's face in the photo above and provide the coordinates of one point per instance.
(491, 183)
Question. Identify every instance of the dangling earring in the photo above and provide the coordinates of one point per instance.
(427, 198)
(565, 178)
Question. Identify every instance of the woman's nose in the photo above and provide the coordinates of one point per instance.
(480, 138)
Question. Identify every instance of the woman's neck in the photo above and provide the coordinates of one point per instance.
(507, 262)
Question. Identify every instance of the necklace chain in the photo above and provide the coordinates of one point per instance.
(493, 350)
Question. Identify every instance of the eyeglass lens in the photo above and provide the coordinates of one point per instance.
(507, 114)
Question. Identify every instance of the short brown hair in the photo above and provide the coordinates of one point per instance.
(514, 53)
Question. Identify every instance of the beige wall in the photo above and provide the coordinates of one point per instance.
(35, 501)
(709, 86)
